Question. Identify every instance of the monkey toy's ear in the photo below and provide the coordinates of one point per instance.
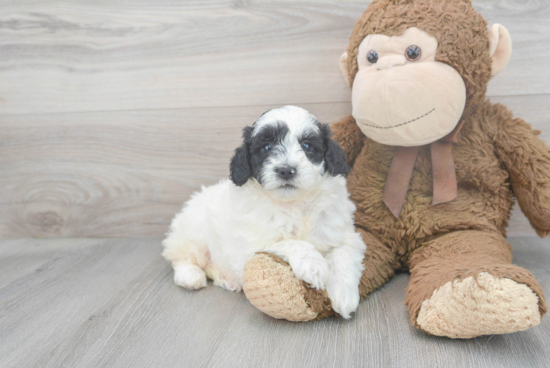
(239, 168)
(335, 158)
(500, 48)
(344, 65)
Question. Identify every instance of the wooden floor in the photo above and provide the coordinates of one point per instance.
(112, 303)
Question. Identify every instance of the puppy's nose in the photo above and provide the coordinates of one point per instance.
(286, 172)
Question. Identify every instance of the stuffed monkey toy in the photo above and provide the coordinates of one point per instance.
(435, 169)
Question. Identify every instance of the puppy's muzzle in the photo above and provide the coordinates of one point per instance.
(286, 172)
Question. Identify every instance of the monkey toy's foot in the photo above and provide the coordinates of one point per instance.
(271, 286)
(484, 305)
(463, 284)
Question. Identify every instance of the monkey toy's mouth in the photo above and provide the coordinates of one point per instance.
(397, 125)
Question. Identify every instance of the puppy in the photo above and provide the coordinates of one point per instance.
(287, 195)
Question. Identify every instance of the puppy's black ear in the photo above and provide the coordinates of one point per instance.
(239, 168)
(335, 158)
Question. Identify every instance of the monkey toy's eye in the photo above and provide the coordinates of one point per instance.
(266, 148)
(307, 147)
(413, 53)
(372, 57)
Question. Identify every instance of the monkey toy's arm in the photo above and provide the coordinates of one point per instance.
(349, 137)
(527, 160)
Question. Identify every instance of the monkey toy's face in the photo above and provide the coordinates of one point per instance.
(401, 95)
(412, 88)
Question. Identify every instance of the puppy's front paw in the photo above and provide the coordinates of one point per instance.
(189, 276)
(344, 299)
(312, 268)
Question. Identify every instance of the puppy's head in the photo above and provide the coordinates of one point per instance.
(288, 152)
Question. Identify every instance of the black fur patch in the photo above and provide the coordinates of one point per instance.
(271, 134)
(335, 158)
(317, 151)
(239, 168)
(252, 151)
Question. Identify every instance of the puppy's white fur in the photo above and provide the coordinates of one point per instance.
(310, 226)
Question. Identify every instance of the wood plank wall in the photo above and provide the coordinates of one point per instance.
(113, 112)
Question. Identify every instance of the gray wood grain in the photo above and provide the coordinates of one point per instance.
(113, 113)
(125, 174)
(112, 303)
(96, 56)
(118, 174)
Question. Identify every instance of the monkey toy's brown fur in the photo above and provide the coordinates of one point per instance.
(462, 282)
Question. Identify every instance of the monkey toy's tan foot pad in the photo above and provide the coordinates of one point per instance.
(271, 286)
(486, 306)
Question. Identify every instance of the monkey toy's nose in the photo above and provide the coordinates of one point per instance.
(286, 172)
(390, 61)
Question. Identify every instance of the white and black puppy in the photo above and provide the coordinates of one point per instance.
(287, 195)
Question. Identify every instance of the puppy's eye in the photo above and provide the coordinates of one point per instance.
(267, 148)
(306, 147)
